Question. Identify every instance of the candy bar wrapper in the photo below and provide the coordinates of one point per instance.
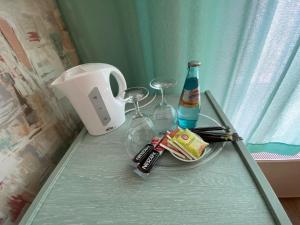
(155, 140)
(143, 153)
(144, 167)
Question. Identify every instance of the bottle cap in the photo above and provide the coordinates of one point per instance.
(194, 63)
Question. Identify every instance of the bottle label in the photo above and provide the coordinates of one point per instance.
(190, 98)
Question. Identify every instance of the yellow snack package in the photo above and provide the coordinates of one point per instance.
(190, 142)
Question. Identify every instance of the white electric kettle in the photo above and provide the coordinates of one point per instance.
(87, 86)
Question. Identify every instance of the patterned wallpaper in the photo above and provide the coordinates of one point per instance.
(36, 124)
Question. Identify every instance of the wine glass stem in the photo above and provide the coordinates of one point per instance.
(163, 99)
(137, 109)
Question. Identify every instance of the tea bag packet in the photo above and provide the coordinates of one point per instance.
(175, 146)
(165, 143)
(190, 142)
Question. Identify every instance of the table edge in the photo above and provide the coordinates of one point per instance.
(38, 201)
(260, 180)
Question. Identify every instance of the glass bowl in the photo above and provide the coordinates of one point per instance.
(167, 160)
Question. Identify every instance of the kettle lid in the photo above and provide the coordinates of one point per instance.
(83, 69)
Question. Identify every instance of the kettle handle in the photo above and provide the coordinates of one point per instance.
(121, 81)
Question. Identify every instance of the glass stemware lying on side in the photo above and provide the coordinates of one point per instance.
(164, 115)
(141, 128)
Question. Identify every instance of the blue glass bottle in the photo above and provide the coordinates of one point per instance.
(190, 102)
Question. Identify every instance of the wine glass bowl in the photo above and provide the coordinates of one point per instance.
(141, 128)
(162, 83)
(135, 93)
(164, 114)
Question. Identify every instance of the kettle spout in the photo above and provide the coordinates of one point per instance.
(59, 86)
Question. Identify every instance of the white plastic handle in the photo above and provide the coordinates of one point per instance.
(121, 81)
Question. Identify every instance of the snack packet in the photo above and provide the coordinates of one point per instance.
(170, 135)
(190, 142)
(144, 167)
(169, 147)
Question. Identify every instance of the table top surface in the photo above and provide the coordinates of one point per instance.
(94, 184)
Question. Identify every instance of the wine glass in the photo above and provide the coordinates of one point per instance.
(164, 115)
(141, 128)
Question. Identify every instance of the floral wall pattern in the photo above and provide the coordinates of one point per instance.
(36, 123)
